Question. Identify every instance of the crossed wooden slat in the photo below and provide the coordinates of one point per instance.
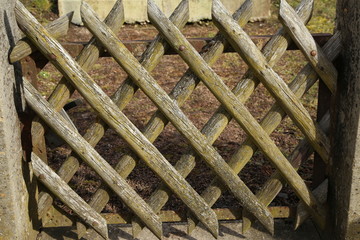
(104, 106)
(300, 85)
(236, 109)
(152, 130)
(174, 114)
(273, 51)
(189, 54)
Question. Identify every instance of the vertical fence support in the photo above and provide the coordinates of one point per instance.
(320, 167)
(344, 194)
(14, 195)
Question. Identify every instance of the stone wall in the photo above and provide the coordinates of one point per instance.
(14, 197)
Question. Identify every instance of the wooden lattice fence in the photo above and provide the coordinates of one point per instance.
(109, 111)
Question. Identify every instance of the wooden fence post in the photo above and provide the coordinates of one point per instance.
(344, 194)
(15, 220)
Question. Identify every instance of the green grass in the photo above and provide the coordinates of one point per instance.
(40, 7)
(323, 19)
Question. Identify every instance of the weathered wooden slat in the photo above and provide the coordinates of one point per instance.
(180, 93)
(300, 85)
(57, 28)
(273, 51)
(56, 218)
(271, 80)
(92, 158)
(331, 49)
(234, 107)
(301, 212)
(274, 185)
(106, 109)
(62, 93)
(31, 68)
(149, 59)
(136, 46)
(306, 43)
(61, 190)
(173, 112)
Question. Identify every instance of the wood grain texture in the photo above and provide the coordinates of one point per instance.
(344, 177)
(92, 158)
(300, 85)
(173, 112)
(242, 43)
(229, 100)
(69, 67)
(306, 43)
(68, 196)
(302, 213)
(110, 113)
(57, 28)
(149, 59)
(305, 79)
(273, 186)
(88, 56)
(180, 93)
(273, 51)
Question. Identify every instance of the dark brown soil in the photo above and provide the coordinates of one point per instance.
(199, 108)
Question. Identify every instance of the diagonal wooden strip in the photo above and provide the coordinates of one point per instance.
(242, 43)
(57, 28)
(331, 49)
(301, 212)
(233, 106)
(273, 51)
(149, 59)
(60, 189)
(62, 93)
(173, 112)
(300, 85)
(106, 109)
(180, 93)
(92, 158)
(306, 43)
(274, 185)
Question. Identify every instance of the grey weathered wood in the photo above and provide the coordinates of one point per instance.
(242, 43)
(88, 56)
(301, 84)
(173, 112)
(92, 158)
(180, 94)
(306, 43)
(110, 113)
(273, 51)
(68, 196)
(149, 59)
(344, 179)
(274, 185)
(236, 108)
(305, 79)
(57, 28)
(301, 212)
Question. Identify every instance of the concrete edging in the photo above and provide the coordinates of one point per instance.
(136, 10)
